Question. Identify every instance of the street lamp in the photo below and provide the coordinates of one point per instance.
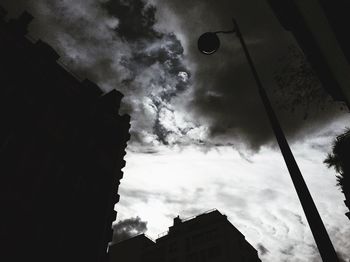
(208, 44)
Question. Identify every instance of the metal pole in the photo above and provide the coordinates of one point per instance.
(318, 229)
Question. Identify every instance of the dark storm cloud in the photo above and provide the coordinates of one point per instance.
(128, 228)
(136, 19)
(225, 95)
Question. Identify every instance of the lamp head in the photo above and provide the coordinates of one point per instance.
(208, 43)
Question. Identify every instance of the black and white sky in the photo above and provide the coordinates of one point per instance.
(200, 137)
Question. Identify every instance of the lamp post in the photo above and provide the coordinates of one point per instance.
(209, 43)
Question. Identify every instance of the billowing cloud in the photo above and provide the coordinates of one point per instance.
(175, 95)
(128, 228)
(224, 95)
(156, 69)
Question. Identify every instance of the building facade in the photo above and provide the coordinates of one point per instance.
(62, 143)
(208, 237)
(320, 28)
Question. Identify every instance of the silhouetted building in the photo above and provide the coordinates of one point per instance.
(62, 143)
(132, 249)
(206, 237)
(321, 29)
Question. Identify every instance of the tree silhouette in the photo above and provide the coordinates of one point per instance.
(339, 159)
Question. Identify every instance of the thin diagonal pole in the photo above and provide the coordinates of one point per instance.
(318, 229)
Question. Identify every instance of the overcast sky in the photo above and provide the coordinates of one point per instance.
(200, 137)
